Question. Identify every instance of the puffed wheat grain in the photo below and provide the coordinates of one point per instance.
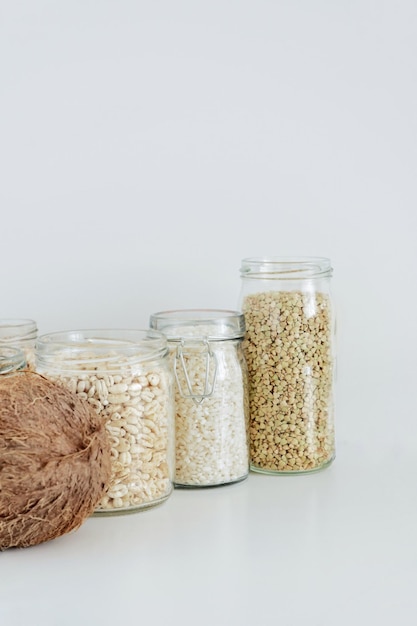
(212, 435)
(137, 410)
(288, 350)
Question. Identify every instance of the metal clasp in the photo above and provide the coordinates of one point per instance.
(209, 363)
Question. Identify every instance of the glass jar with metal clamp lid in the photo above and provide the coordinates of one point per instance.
(211, 395)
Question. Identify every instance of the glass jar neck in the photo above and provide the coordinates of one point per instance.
(199, 324)
(17, 330)
(11, 360)
(92, 350)
(286, 268)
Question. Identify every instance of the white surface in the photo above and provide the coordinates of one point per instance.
(145, 149)
(337, 547)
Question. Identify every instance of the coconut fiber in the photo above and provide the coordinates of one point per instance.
(54, 460)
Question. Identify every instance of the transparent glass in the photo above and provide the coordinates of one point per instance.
(211, 396)
(125, 376)
(21, 333)
(11, 360)
(289, 349)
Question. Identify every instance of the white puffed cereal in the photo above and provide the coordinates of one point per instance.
(118, 398)
(135, 388)
(120, 388)
(95, 403)
(135, 438)
(72, 385)
(108, 380)
(118, 491)
(125, 458)
(153, 379)
(211, 434)
(101, 389)
(147, 396)
(123, 446)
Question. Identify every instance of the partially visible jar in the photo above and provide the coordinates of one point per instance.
(21, 333)
(211, 401)
(125, 376)
(290, 353)
(11, 360)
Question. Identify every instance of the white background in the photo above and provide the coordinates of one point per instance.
(145, 149)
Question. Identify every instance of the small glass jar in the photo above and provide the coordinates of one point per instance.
(125, 376)
(11, 360)
(290, 354)
(21, 333)
(211, 399)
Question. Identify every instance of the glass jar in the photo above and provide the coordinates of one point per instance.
(211, 398)
(290, 354)
(125, 376)
(11, 360)
(21, 333)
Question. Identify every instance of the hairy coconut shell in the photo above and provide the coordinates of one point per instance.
(54, 460)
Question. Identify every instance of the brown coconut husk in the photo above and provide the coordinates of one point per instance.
(54, 460)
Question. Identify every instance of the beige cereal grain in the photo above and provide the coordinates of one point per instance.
(136, 408)
(288, 350)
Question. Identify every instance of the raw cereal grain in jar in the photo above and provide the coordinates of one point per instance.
(125, 376)
(289, 350)
(211, 401)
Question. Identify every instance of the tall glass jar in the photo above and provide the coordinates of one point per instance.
(125, 376)
(290, 354)
(21, 333)
(211, 401)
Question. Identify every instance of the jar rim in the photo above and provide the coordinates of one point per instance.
(90, 347)
(17, 329)
(211, 324)
(286, 268)
(11, 359)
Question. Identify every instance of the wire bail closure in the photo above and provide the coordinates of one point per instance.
(210, 364)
